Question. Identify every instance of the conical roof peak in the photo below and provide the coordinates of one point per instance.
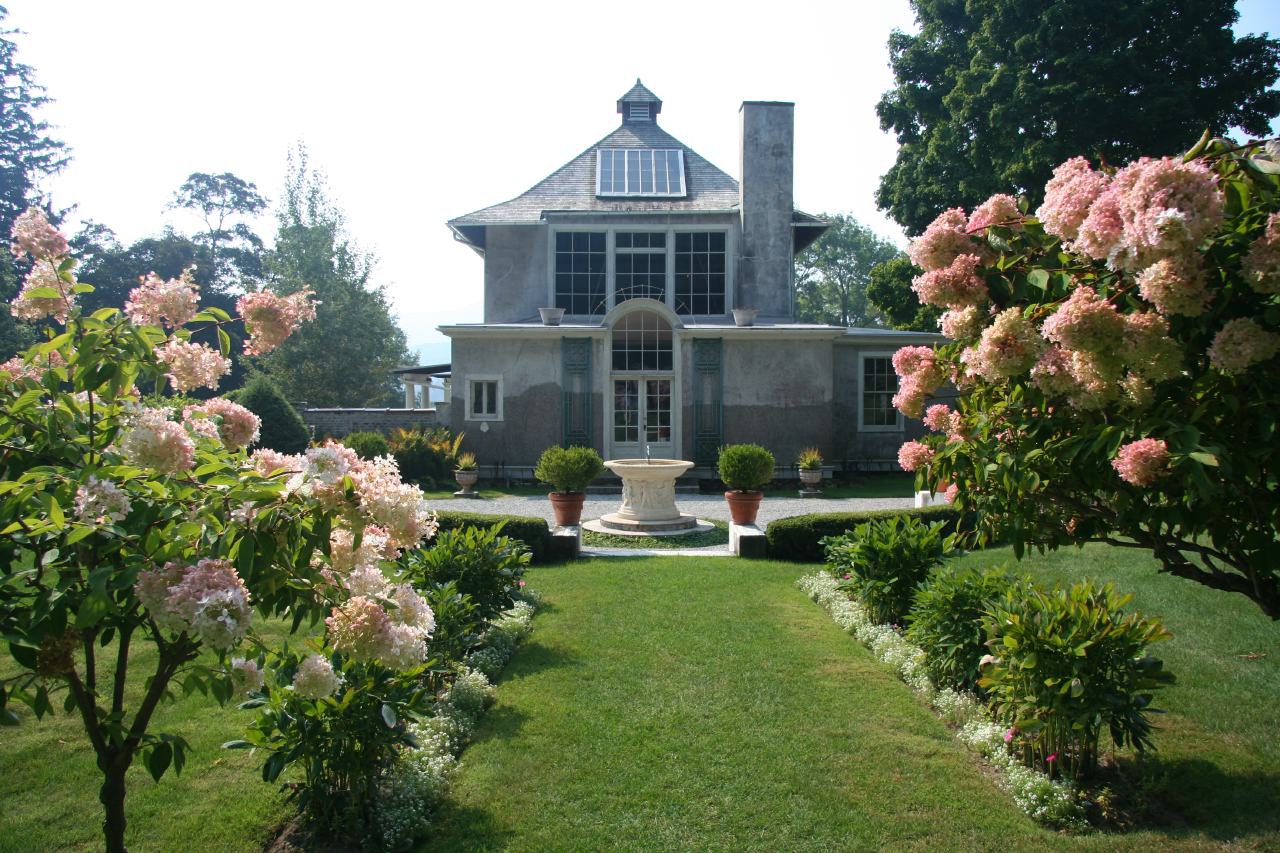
(639, 103)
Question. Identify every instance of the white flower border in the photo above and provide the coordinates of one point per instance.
(1049, 801)
(420, 779)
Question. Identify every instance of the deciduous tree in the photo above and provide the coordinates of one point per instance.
(832, 274)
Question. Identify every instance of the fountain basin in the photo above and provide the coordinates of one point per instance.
(648, 497)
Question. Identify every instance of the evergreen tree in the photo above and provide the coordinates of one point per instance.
(283, 429)
(345, 357)
(991, 95)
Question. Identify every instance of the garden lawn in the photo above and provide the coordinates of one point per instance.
(49, 781)
(685, 703)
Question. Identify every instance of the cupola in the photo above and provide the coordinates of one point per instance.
(639, 105)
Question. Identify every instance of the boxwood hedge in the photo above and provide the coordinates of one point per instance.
(800, 537)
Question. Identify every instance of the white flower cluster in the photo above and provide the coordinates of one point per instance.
(1045, 800)
(420, 778)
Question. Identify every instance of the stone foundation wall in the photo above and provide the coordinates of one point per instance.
(339, 422)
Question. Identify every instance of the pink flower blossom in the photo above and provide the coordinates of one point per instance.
(913, 455)
(315, 678)
(174, 301)
(1101, 234)
(953, 286)
(943, 241)
(938, 417)
(44, 276)
(151, 440)
(1052, 372)
(101, 501)
(963, 324)
(359, 628)
(34, 236)
(1052, 758)
(1008, 347)
(1142, 462)
(1009, 735)
(247, 676)
(1176, 285)
(1067, 197)
(1085, 321)
(1138, 392)
(235, 425)
(271, 318)
(1000, 209)
(1262, 262)
(1240, 344)
(267, 461)
(192, 366)
(1150, 352)
(345, 557)
(952, 492)
(1096, 379)
(207, 600)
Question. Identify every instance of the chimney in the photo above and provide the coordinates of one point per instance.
(765, 203)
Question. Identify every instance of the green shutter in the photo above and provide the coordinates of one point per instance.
(575, 385)
(708, 399)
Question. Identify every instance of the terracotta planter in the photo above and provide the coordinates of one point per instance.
(811, 476)
(743, 506)
(567, 507)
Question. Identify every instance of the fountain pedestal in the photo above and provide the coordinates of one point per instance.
(648, 497)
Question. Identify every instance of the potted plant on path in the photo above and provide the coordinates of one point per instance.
(809, 463)
(744, 468)
(466, 471)
(568, 470)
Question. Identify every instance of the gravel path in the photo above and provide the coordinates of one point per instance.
(702, 506)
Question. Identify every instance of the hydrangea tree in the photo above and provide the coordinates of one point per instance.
(1115, 357)
(126, 519)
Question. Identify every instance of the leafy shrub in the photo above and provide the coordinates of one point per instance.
(885, 561)
(946, 622)
(482, 564)
(458, 626)
(368, 445)
(568, 469)
(1065, 663)
(426, 455)
(532, 532)
(466, 462)
(745, 467)
(282, 427)
(810, 459)
(800, 537)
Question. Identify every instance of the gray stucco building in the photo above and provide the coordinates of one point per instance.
(648, 248)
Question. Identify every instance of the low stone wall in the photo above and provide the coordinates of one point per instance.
(339, 422)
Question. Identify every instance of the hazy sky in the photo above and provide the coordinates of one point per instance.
(420, 112)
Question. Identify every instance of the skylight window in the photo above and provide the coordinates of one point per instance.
(640, 171)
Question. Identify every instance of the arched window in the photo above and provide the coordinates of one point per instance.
(642, 343)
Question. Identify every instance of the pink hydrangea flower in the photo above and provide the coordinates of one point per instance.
(207, 600)
(345, 557)
(234, 425)
(271, 318)
(1067, 197)
(174, 301)
(1008, 347)
(1262, 262)
(359, 628)
(267, 461)
(1101, 234)
(1052, 372)
(952, 492)
(954, 286)
(1150, 352)
(247, 676)
(913, 455)
(34, 236)
(938, 417)
(1000, 209)
(1138, 392)
(315, 678)
(1240, 344)
(1142, 462)
(1085, 321)
(1176, 285)
(1096, 378)
(101, 501)
(151, 440)
(963, 324)
(44, 276)
(190, 366)
(943, 241)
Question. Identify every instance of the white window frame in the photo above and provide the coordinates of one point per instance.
(898, 425)
(627, 192)
(472, 382)
(610, 283)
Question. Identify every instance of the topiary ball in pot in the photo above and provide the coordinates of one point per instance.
(744, 468)
(568, 470)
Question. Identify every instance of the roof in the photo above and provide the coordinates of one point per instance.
(429, 369)
(572, 187)
(638, 94)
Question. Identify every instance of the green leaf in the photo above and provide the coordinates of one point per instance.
(237, 744)
(1205, 458)
(159, 759)
(388, 715)
(92, 610)
(1077, 688)
(1038, 278)
(224, 341)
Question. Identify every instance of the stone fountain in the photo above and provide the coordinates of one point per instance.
(648, 499)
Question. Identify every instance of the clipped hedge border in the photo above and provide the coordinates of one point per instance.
(799, 538)
(532, 531)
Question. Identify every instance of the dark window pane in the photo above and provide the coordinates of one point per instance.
(717, 241)
(699, 242)
(597, 241)
(684, 242)
(564, 241)
(623, 241)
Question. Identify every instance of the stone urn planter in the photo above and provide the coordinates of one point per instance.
(466, 481)
(551, 316)
(744, 506)
(745, 316)
(810, 477)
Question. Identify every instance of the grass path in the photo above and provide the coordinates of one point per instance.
(677, 703)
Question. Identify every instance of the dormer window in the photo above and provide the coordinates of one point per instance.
(640, 172)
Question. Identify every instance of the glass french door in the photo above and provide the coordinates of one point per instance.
(642, 417)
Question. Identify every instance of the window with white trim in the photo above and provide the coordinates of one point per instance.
(876, 412)
(640, 171)
(484, 398)
(700, 272)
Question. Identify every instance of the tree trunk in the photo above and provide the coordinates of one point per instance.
(112, 797)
